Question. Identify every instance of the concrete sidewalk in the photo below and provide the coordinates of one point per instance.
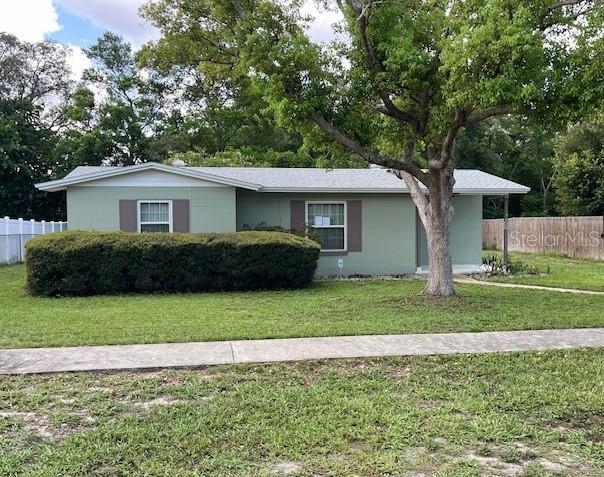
(474, 281)
(179, 355)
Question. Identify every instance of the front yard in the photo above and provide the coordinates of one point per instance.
(324, 309)
(564, 272)
(528, 414)
(515, 414)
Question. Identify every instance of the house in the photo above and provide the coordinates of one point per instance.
(365, 218)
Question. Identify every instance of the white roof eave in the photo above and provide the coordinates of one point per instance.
(332, 190)
(62, 184)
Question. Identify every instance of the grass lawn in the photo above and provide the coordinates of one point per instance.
(565, 272)
(327, 308)
(528, 414)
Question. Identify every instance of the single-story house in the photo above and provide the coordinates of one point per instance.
(365, 218)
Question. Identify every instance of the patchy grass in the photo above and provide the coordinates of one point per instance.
(526, 414)
(325, 309)
(564, 272)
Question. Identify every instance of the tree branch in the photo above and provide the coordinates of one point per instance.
(562, 4)
(389, 109)
(544, 25)
(439, 159)
(476, 117)
(238, 7)
(371, 156)
(376, 67)
(417, 195)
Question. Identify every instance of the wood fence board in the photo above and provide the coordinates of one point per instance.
(572, 236)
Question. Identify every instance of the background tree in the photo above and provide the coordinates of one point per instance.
(412, 75)
(517, 149)
(579, 163)
(119, 109)
(220, 113)
(34, 79)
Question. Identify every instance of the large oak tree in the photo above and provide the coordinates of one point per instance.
(405, 79)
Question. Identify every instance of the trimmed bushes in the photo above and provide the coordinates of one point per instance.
(93, 263)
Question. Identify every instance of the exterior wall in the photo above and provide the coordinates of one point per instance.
(97, 207)
(466, 233)
(393, 240)
(388, 235)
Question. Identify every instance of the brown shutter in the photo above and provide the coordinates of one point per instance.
(355, 225)
(181, 215)
(297, 219)
(128, 219)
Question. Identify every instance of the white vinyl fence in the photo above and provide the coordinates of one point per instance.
(14, 233)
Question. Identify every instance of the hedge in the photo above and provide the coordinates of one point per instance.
(94, 263)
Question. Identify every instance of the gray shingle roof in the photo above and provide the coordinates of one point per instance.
(468, 181)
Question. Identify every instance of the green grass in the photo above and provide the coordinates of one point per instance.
(564, 272)
(325, 309)
(537, 414)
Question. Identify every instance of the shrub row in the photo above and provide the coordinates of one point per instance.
(92, 263)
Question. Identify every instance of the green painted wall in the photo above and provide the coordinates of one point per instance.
(466, 232)
(389, 232)
(97, 208)
(389, 221)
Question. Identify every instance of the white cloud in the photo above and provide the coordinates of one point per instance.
(29, 20)
(321, 28)
(78, 61)
(118, 16)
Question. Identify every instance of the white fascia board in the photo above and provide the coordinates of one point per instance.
(61, 184)
(498, 191)
(309, 190)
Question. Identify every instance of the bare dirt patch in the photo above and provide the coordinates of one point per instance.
(285, 468)
(42, 426)
(157, 402)
(402, 372)
(514, 461)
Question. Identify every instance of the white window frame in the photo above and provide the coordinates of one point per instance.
(345, 226)
(147, 201)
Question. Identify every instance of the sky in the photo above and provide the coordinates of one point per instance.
(77, 23)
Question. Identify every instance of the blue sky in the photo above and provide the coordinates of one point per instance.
(75, 30)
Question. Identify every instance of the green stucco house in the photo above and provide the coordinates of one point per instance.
(365, 218)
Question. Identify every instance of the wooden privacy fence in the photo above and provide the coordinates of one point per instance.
(572, 236)
(14, 233)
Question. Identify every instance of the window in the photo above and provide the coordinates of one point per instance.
(329, 221)
(155, 216)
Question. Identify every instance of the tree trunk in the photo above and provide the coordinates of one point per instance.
(436, 214)
(440, 278)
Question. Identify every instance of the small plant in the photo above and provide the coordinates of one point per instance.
(511, 456)
(484, 451)
(493, 265)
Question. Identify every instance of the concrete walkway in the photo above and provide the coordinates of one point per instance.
(180, 355)
(473, 281)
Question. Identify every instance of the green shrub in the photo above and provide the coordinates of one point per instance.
(92, 263)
